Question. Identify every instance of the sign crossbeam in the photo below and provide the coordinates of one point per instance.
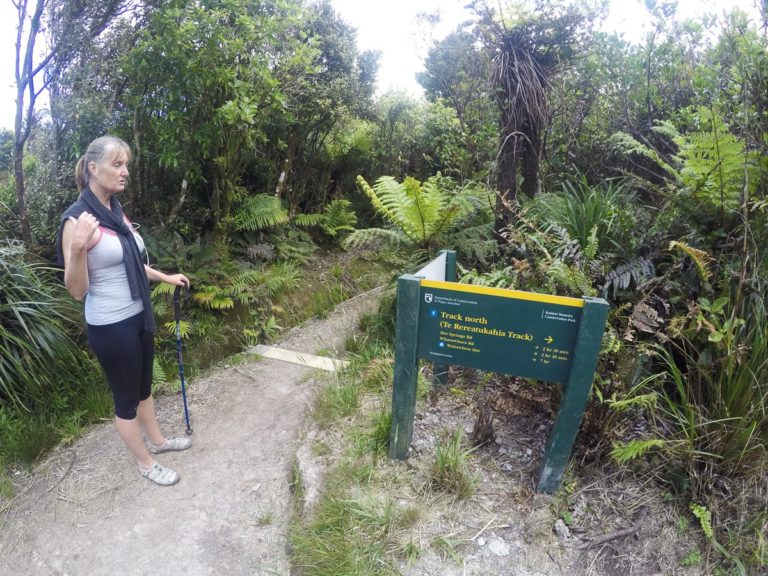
(540, 336)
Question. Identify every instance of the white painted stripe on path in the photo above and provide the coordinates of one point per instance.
(320, 362)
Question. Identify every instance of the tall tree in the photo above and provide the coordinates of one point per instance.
(457, 72)
(337, 83)
(205, 80)
(69, 26)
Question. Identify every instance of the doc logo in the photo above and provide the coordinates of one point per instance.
(427, 298)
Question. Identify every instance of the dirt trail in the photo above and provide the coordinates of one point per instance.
(86, 511)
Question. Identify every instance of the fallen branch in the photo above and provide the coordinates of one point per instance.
(617, 533)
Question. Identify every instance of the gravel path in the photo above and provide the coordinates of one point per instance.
(85, 511)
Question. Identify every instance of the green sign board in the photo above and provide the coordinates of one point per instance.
(541, 336)
(508, 331)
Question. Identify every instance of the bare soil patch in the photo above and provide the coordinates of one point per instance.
(505, 528)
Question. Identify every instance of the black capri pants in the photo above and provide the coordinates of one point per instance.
(126, 352)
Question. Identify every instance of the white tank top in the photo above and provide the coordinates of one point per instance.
(109, 297)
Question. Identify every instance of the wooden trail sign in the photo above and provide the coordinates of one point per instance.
(546, 337)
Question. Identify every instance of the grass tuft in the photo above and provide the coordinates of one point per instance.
(450, 472)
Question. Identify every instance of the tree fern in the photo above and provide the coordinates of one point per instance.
(422, 212)
(714, 162)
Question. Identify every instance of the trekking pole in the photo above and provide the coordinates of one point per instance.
(177, 317)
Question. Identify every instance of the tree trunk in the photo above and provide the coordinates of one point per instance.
(529, 161)
(507, 183)
(18, 173)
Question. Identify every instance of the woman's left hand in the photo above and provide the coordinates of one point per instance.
(177, 280)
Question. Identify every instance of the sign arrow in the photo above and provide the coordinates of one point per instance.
(549, 339)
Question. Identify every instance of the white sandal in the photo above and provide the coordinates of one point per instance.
(160, 475)
(171, 444)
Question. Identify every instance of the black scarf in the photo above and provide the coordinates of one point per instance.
(112, 219)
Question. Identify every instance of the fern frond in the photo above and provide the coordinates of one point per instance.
(638, 270)
(699, 257)
(667, 129)
(431, 200)
(645, 318)
(161, 288)
(624, 452)
(259, 212)
(705, 518)
(261, 251)
(204, 295)
(282, 277)
(308, 220)
(158, 374)
(185, 328)
(338, 215)
(628, 145)
(593, 242)
(374, 238)
(497, 278)
(641, 400)
(571, 278)
(222, 302)
(386, 197)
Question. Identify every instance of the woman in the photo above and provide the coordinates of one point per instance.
(103, 264)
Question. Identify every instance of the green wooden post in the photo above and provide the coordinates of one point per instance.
(575, 394)
(440, 371)
(406, 366)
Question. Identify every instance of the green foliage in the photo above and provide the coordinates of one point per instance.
(584, 211)
(204, 85)
(450, 471)
(693, 558)
(35, 316)
(705, 518)
(700, 258)
(421, 213)
(335, 402)
(549, 260)
(712, 390)
(497, 277)
(337, 218)
(710, 173)
(348, 536)
(258, 212)
(715, 165)
(633, 449)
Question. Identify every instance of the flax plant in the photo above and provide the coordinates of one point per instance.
(37, 355)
